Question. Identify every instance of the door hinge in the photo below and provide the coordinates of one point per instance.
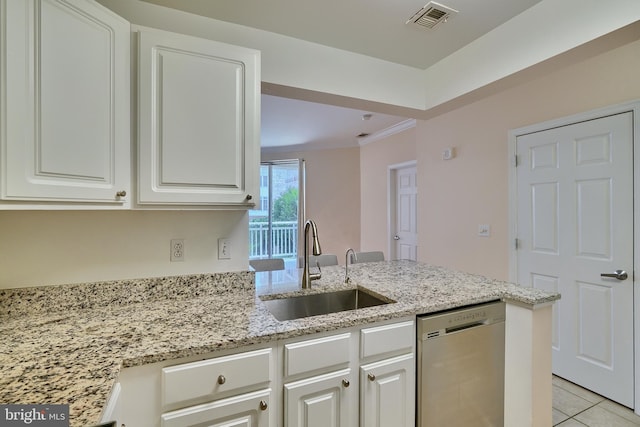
(516, 244)
(515, 160)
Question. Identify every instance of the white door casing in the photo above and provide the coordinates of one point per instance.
(574, 221)
(403, 211)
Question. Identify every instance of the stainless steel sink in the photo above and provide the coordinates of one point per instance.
(316, 304)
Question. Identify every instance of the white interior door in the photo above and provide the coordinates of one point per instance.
(406, 214)
(575, 222)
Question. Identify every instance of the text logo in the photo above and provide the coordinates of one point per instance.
(34, 415)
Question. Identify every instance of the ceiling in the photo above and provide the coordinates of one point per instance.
(374, 28)
(299, 124)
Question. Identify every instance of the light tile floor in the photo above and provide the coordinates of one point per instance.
(573, 406)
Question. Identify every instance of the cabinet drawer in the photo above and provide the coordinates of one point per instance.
(244, 410)
(210, 378)
(310, 355)
(386, 339)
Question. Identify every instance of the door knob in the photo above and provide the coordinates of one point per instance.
(618, 274)
(396, 237)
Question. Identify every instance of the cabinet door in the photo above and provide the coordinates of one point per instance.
(199, 121)
(66, 102)
(324, 401)
(247, 410)
(387, 390)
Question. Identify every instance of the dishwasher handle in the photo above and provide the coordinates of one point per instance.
(463, 327)
(452, 321)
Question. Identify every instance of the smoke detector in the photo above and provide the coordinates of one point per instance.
(431, 15)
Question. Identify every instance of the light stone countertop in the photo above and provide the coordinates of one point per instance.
(66, 344)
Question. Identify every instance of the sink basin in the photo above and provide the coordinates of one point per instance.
(316, 304)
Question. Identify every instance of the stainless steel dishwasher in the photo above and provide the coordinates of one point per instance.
(461, 367)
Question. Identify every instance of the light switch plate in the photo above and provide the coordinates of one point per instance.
(224, 248)
(448, 153)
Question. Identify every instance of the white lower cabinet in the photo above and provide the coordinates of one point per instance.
(327, 400)
(215, 378)
(235, 376)
(387, 392)
(228, 388)
(320, 388)
(387, 375)
(360, 376)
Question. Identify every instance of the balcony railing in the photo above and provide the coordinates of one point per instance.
(284, 239)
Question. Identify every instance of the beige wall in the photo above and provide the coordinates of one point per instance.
(56, 247)
(375, 159)
(457, 195)
(333, 195)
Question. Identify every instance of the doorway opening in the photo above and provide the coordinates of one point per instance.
(274, 227)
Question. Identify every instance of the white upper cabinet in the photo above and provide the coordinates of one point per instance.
(198, 121)
(65, 116)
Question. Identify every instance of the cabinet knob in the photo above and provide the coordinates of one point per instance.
(121, 193)
(221, 379)
(249, 197)
(263, 405)
(346, 383)
(371, 377)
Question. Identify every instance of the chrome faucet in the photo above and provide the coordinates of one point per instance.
(306, 276)
(346, 263)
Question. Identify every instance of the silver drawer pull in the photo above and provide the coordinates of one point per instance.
(346, 383)
(263, 405)
(618, 274)
(221, 379)
(371, 377)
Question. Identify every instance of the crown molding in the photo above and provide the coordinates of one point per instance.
(385, 133)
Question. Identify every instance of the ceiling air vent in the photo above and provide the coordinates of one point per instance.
(431, 15)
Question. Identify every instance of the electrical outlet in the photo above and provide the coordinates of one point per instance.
(224, 248)
(177, 250)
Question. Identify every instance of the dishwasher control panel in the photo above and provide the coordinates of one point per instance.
(435, 325)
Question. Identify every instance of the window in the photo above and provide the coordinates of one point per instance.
(274, 228)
